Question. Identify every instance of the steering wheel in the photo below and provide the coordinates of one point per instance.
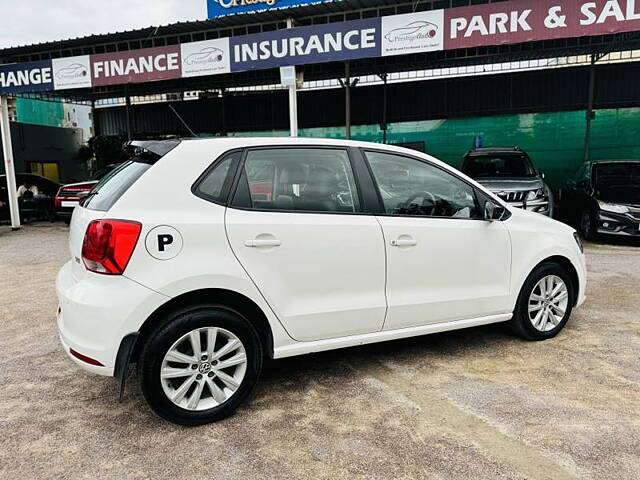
(425, 196)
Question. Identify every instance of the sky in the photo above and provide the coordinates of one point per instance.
(35, 21)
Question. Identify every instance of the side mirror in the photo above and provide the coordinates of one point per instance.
(493, 212)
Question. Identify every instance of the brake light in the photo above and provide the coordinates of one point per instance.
(109, 244)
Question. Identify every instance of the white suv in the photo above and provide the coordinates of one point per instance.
(199, 258)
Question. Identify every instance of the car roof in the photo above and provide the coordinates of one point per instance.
(493, 150)
(623, 160)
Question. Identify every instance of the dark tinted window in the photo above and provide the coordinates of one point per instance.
(298, 179)
(114, 185)
(499, 166)
(411, 187)
(215, 184)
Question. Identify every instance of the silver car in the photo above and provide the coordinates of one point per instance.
(511, 175)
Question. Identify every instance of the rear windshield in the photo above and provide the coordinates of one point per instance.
(114, 185)
(499, 166)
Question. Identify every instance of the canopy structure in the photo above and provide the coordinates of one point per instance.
(336, 40)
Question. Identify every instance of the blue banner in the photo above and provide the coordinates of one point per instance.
(220, 8)
(26, 77)
(305, 45)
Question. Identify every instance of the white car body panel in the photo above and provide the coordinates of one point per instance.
(458, 269)
(324, 287)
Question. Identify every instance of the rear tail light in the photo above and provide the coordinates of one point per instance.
(109, 244)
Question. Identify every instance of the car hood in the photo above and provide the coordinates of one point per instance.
(511, 183)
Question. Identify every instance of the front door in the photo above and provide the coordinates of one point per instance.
(295, 226)
(444, 262)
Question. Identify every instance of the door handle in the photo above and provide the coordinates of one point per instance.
(262, 243)
(404, 241)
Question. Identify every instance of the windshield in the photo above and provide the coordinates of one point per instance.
(618, 182)
(499, 166)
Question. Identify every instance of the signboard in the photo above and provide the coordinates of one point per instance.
(26, 77)
(513, 21)
(162, 63)
(295, 46)
(209, 57)
(519, 21)
(220, 8)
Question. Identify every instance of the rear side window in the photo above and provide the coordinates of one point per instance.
(114, 185)
(298, 179)
(215, 184)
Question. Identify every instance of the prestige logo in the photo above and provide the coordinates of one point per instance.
(205, 56)
(230, 4)
(413, 31)
(72, 72)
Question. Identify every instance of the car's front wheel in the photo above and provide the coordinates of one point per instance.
(587, 228)
(545, 303)
(201, 366)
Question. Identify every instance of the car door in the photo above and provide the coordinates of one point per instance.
(295, 224)
(444, 262)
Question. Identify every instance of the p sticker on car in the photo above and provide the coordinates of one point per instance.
(164, 242)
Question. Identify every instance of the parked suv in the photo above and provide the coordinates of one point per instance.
(604, 198)
(510, 174)
(198, 258)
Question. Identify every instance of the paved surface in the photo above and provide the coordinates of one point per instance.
(466, 405)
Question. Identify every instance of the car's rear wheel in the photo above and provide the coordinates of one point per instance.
(201, 366)
(545, 303)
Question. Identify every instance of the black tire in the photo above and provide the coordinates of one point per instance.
(587, 226)
(521, 323)
(178, 324)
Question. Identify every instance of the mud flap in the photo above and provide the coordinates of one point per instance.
(121, 370)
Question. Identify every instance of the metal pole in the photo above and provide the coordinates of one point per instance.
(347, 99)
(128, 112)
(293, 99)
(223, 108)
(9, 165)
(384, 108)
(590, 113)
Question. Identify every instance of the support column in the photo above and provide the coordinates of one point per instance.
(127, 99)
(223, 112)
(293, 99)
(9, 166)
(384, 125)
(590, 112)
(94, 119)
(347, 99)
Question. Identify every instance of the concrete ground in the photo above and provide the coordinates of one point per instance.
(465, 405)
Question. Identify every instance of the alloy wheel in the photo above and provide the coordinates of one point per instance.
(203, 369)
(548, 303)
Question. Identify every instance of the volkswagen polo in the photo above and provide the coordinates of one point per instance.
(198, 259)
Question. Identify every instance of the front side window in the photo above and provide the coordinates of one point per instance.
(411, 187)
(298, 179)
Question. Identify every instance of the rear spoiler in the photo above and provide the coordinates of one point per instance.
(149, 150)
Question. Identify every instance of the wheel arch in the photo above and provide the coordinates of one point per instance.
(565, 263)
(227, 298)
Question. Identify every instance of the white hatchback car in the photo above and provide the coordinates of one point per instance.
(199, 258)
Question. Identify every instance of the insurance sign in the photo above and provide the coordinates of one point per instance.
(220, 8)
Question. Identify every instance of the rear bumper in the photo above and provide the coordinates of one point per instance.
(97, 312)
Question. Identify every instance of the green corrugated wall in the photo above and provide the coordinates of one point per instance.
(555, 141)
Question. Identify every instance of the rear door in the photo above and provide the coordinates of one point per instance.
(295, 224)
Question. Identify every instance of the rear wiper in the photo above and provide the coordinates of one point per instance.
(87, 197)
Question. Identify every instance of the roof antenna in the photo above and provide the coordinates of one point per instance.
(182, 120)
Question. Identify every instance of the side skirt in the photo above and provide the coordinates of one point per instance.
(303, 348)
